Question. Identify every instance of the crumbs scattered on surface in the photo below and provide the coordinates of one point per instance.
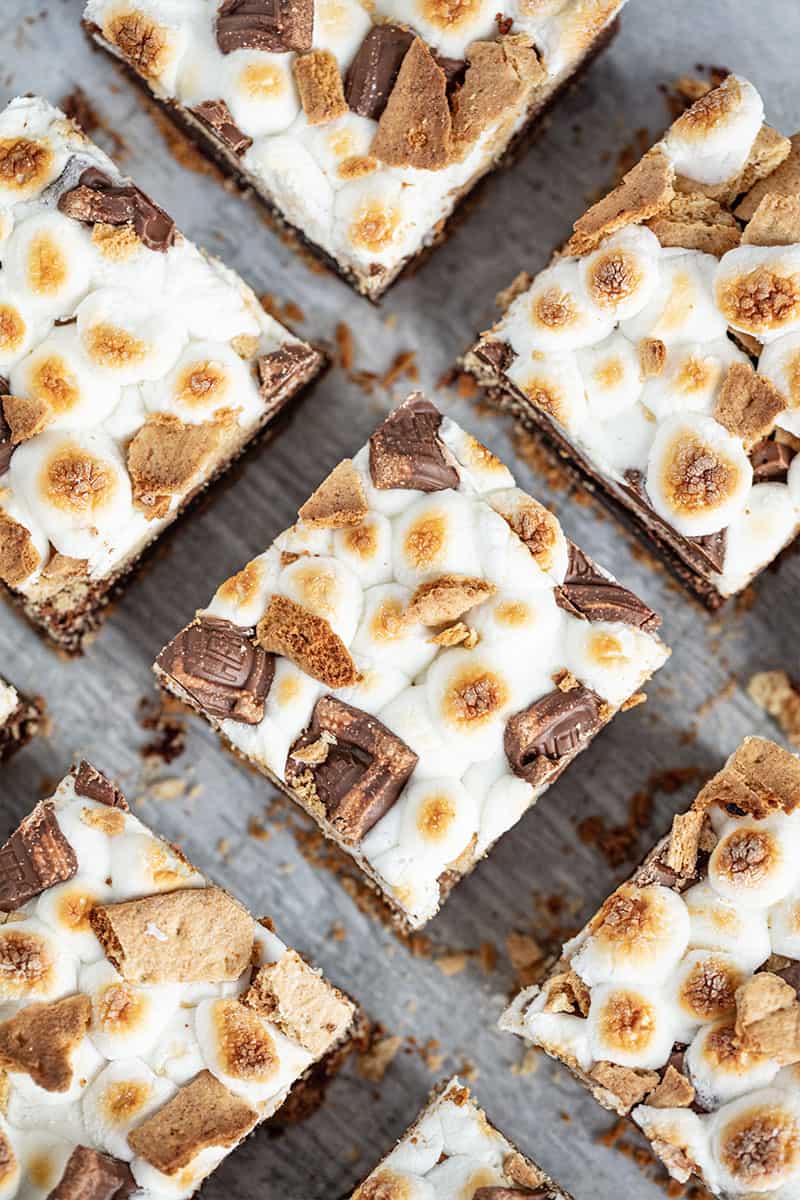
(376, 1058)
(527, 957)
(285, 311)
(778, 695)
(621, 843)
(256, 829)
(79, 108)
(345, 346)
(464, 384)
(160, 718)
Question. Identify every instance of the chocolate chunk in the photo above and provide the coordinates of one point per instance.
(92, 784)
(551, 728)
(280, 367)
(771, 461)
(406, 451)
(372, 73)
(790, 975)
(360, 775)
(221, 668)
(712, 547)
(7, 447)
(454, 71)
(276, 25)
(498, 355)
(90, 1175)
(35, 857)
(97, 199)
(512, 1193)
(586, 592)
(216, 115)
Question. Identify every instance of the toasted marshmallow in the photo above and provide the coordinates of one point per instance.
(611, 376)
(510, 563)
(245, 1052)
(435, 536)
(126, 1020)
(386, 637)
(20, 325)
(757, 290)
(538, 529)
(291, 697)
(57, 374)
(65, 908)
(155, 36)
(756, 1142)
(784, 925)
(10, 1169)
(391, 1182)
(465, 1132)
(374, 220)
(698, 475)
(419, 1154)
(409, 716)
(366, 548)
(556, 315)
(327, 588)
(683, 1130)
(720, 1069)
(462, 1175)
(260, 91)
(184, 1182)
(126, 338)
(711, 141)
(288, 169)
(682, 307)
(340, 26)
(448, 27)
(570, 31)
(211, 301)
(33, 966)
(532, 619)
(703, 987)
(440, 818)
(377, 686)
(341, 148)
(142, 864)
(42, 1157)
(780, 363)
(621, 276)
(767, 523)
(632, 1026)
(561, 1035)
(641, 938)
(753, 863)
(716, 925)
(482, 469)
(176, 1055)
(470, 694)
(691, 378)
(121, 1097)
(89, 827)
(85, 1062)
(793, 481)
(119, 258)
(622, 443)
(610, 657)
(417, 892)
(208, 378)
(48, 260)
(243, 597)
(507, 799)
(553, 382)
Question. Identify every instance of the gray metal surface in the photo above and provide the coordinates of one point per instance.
(94, 702)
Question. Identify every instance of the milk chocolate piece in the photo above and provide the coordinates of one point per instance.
(221, 668)
(280, 367)
(372, 73)
(406, 451)
(6, 445)
(364, 771)
(712, 547)
(35, 857)
(274, 25)
(771, 461)
(90, 1175)
(97, 199)
(216, 115)
(496, 354)
(587, 593)
(551, 728)
(89, 782)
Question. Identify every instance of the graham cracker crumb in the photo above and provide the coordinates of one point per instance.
(776, 694)
(674, 1091)
(308, 641)
(784, 180)
(320, 86)
(776, 222)
(415, 127)
(447, 598)
(375, 1061)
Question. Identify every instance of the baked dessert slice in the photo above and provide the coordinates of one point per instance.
(418, 658)
(452, 1151)
(360, 125)
(133, 370)
(149, 1023)
(658, 351)
(20, 719)
(677, 1003)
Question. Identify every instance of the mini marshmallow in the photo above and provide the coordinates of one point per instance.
(142, 865)
(720, 1070)
(20, 326)
(128, 417)
(341, 148)
(326, 587)
(182, 1183)
(420, 1153)
(416, 892)
(366, 549)
(120, 259)
(756, 1142)
(85, 1063)
(544, 539)
(410, 718)
(611, 376)
(532, 619)
(84, 824)
(462, 1175)
(698, 475)
(716, 925)
(553, 382)
(211, 300)
(481, 469)
(784, 925)
(383, 835)
(288, 169)
(57, 374)
(753, 863)
(439, 818)
(793, 481)
(47, 260)
(378, 686)
(126, 337)
(567, 35)
(374, 220)
(209, 377)
(470, 694)
(304, 539)
(465, 1133)
(632, 1026)
(435, 536)
(123, 1095)
(65, 908)
(780, 363)
(42, 1157)
(291, 697)
(757, 289)
(447, 27)
(260, 91)
(683, 1130)
(246, 1053)
(340, 26)
(711, 142)
(642, 939)
(176, 1054)
(243, 598)
(387, 638)
(508, 798)
(555, 315)
(703, 987)
(691, 378)
(562, 1035)
(621, 276)
(610, 657)
(767, 523)
(33, 966)
(127, 1020)
(682, 308)
(623, 443)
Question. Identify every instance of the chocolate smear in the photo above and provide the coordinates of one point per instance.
(406, 452)
(93, 785)
(275, 25)
(221, 668)
(362, 769)
(90, 1175)
(35, 857)
(97, 199)
(217, 117)
(550, 729)
(372, 73)
(771, 461)
(587, 592)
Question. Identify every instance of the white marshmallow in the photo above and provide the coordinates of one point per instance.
(243, 598)
(622, 443)
(470, 695)
(119, 259)
(439, 819)
(756, 1142)
(569, 32)
(753, 863)
(65, 909)
(128, 417)
(291, 697)
(642, 937)
(341, 148)
(632, 1026)
(561, 1035)
(710, 143)
(416, 892)
(386, 638)
(409, 717)
(47, 260)
(127, 337)
(767, 523)
(83, 824)
(546, 543)
(610, 657)
(556, 315)
(123, 1095)
(691, 378)
(703, 987)
(621, 276)
(376, 688)
(126, 1020)
(784, 925)
(683, 1130)
(340, 26)
(479, 467)
(716, 925)
(757, 290)
(327, 588)
(207, 378)
(57, 374)
(793, 481)
(246, 1053)
(464, 1132)
(375, 221)
(508, 798)
(290, 171)
(553, 382)
(142, 865)
(532, 619)
(211, 300)
(182, 1183)
(33, 966)
(20, 325)
(43, 1157)
(366, 549)
(611, 377)
(462, 1175)
(720, 1070)
(176, 1055)
(260, 91)
(435, 536)
(780, 364)
(682, 308)
(449, 28)
(419, 1154)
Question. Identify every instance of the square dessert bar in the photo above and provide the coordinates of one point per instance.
(418, 658)
(659, 353)
(359, 123)
(20, 718)
(133, 370)
(451, 1152)
(677, 1003)
(148, 1023)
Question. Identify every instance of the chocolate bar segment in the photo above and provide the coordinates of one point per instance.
(406, 451)
(221, 668)
(97, 199)
(274, 25)
(36, 857)
(91, 1175)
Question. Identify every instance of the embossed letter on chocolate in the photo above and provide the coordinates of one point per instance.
(221, 668)
(406, 451)
(35, 857)
(550, 729)
(587, 592)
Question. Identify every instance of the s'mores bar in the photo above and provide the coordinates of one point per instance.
(147, 1022)
(134, 369)
(359, 123)
(452, 1152)
(417, 658)
(659, 351)
(677, 1004)
(20, 718)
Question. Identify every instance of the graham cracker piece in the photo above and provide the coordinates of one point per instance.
(776, 694)
(308, 641)
(164, 458)
(320, 86)
(567, 993)
(646, 190)
(684, 842)
(300, 1002)
(760, 996)
(338, 501)
(26, 417)
(19, 558)
(748, 404)
(652, 357)
(199, 935)
(40, 1040)
(784, 180)
(415, 128)
(520, 1171)
(674, 1091)
(760, 778)
(499, 75)
(694, 222)
(203, 1113)
(447, 598)
(776, 1036)
(456, 635)
(776, 222)
(628, 1084)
